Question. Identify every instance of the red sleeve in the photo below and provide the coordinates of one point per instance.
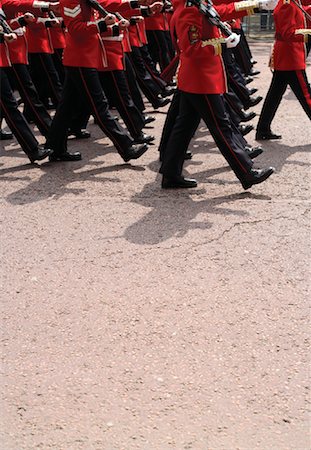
(286, 23)
(228, 12)
(12, 7)
(74, 20)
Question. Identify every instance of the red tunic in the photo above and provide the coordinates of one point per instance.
(157, 22)
(18, 49)
(84, 47)
(4, 55)
(58, 37)
(38, 37)
(201, 71)
(12, 7)
(289, 48)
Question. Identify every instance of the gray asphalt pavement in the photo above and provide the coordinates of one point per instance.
(140, 319)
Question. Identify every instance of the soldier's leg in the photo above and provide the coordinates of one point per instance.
(30, 98)
(299, 83)
(133, 84)
(272, 101)
(116, 88)
(185, 126)
(57, 139)
(212, 110)
(17, 122)
(170, 120)
(88, 85)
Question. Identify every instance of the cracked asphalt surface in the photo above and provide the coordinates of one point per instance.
(140, 319)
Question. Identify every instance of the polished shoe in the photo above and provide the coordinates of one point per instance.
(257, 176)
(149, 119)
(245, 129)
(253, 61)
(160, 102)
(65, 156)
(246, 117)
(5, 135)
(266, 136)
(39, 154)
(248, 79)
(168, 91)
(252, 91)
(79, 134)
(178, 182)
(188, 155)
(254, 72)
(135, 152)
(253, 101)
(144, 138)
(253, 152)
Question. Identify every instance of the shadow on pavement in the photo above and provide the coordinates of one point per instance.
(57, 176)
(173, 213)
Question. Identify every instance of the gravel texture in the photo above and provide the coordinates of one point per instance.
(140, 319)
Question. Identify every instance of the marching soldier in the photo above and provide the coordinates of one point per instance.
(201, 81)
(9, 108)
(84, 57)
(289, 63)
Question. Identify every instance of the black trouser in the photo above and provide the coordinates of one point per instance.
(82, 88)
(45, 77)
(133, 84)
(297, 80)
(169, 123)
(14, 118)
(158, 48)
(232, 110)
(116, 89)
(242, 53)
(211, 109)
(234, 77)
(144, 50)
(151, 67)
(235, 105)
(30, 97)
(170, 45)
(145, 81)
(58, 63)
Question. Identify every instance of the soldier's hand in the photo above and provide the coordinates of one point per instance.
(233, 40)
(110, 19)
(29, 17)
(123, 24)
(9, 37)
(55, 23)
(156, 7)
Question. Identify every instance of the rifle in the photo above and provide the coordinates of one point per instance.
(208, 10)
(98, 7)
(5, 26)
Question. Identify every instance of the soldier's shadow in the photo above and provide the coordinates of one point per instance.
(277, 155)
(57, 177)
(173, 213)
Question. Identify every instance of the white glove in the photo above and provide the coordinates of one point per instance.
(269, 5)
(233, 40)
